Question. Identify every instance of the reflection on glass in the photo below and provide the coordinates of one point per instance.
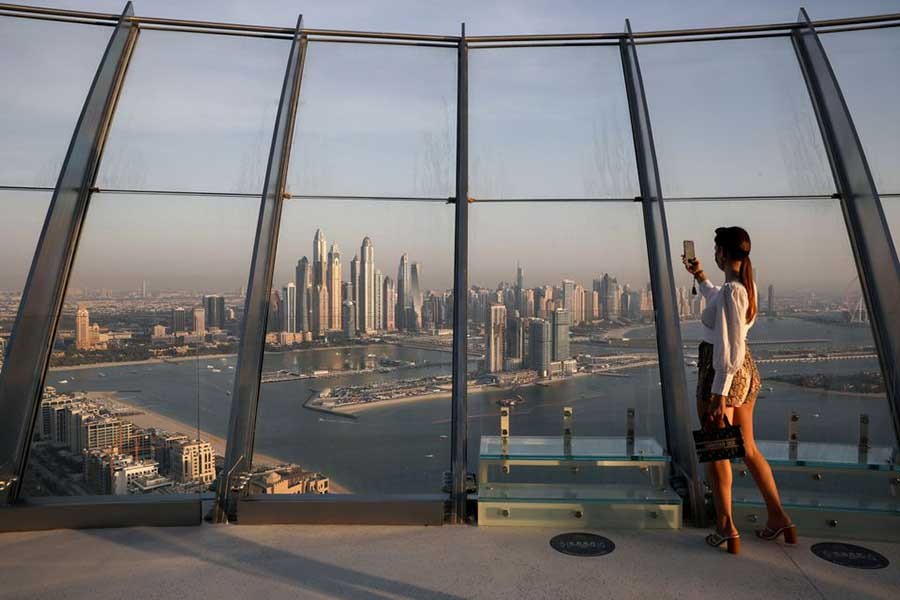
(561, 315)
(813, 339)
(23, 217)
(866, 65)
(376, 121)
(195, 114)
(145, 349)
(44, 86)
(733, 118)
(549, 123)
(356, 378)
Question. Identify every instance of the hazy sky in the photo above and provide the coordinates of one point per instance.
(729, 118)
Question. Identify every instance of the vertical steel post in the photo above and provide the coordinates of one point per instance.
(459, 407)
(245, 399)
(28, 355)
(870, 238)
(676, 410)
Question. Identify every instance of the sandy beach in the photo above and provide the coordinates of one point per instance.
(148, 418)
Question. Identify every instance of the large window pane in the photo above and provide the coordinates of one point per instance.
(356, 378)
(23, 218)
(561, 315)
(813, 340)
(141, 373)
(549, 123)
(376, 121)
(733, 118)
(44, 86)
(196, 114)
(867, 64)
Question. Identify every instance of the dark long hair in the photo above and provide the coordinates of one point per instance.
(735, 241)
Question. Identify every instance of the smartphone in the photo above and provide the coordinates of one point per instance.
(689, 250)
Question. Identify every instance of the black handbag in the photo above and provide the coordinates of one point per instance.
(719, 444)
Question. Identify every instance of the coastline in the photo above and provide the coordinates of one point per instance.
(127, 363)
(148, 418)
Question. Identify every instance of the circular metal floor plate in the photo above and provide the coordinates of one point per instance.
(582, 544)
(849, 555)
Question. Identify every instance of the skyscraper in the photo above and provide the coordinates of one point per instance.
(319, 310)
(82, 328)
(179, 320)
(514, 337)
(389, 304)
(334, 287)
(562, 318)
(379, 300)
(541, 346)
(366, 286)
(416, 298)
(403, 291)
(520, 277)
(303, 280)
(276, 314)
(215, 311)
(320, 272)
(199, 321)
(771, 306)
(289, 307)
(354, 284)
(568, 295)
(349, 319)
(495, 338)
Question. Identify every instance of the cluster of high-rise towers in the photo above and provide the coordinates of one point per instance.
(529, 327)
(320, 301)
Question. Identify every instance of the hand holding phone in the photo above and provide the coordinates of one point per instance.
(689, 258)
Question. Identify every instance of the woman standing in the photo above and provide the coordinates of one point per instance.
(728, 383)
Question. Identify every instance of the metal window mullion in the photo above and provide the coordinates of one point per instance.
(870, 238)
(459, 396)
(251, 350)
(676, 410)
(28, 354)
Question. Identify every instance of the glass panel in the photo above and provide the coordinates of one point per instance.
(356, 378)
(23, 219)
(139, 388)
(376, 120)
(866, 64)
(549, 123)
(812, 341)
(891, 208)
(561, 316)
(44, 86)
(196, 114)
(733, 118)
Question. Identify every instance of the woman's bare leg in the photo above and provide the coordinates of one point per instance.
(718, 473)
(759, 468)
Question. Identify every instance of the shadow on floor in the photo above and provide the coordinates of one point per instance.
(218, 547)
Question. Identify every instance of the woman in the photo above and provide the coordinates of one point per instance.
(728, 383)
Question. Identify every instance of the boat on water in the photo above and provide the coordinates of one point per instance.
(210, 367)
(101, 374)
(217, 370)
(63, 381)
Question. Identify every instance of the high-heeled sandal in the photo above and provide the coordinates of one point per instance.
(716, 539)
(789, 532)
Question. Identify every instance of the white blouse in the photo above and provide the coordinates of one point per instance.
(725, 327)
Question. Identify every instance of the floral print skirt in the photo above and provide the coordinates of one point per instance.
(744, 386)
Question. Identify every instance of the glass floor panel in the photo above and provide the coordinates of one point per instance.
(818, 454)
(612, 493)
(582, 448)
(803, 499)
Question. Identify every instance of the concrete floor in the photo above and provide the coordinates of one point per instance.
(444, 563)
